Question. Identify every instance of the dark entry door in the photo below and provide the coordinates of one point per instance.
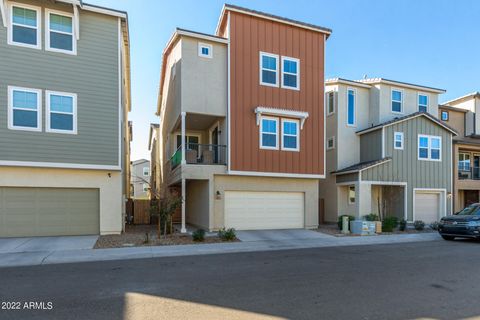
(215, 145)
(471, 196)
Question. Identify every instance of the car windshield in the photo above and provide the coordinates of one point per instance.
(472, 210)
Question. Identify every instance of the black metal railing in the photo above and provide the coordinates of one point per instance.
(196, 153)
(472, 173)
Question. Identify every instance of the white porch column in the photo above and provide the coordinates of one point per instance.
(184, 199)
(183, 141)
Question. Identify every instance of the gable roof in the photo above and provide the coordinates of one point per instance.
(401, 84)
(466, 97)
(230, 7)
(361, 166)
(409, 117)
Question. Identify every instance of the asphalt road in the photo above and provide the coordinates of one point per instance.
(434, 280)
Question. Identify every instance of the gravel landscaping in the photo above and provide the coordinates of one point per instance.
(332, 229)
(136, 236)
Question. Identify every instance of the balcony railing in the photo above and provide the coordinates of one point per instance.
(200, 154)
(472, 173)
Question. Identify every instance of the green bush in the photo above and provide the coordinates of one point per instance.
(372, 217)
(227, 235)
(402, 225)
(350, 218)
(434, 225)
(389, 223)
(198, 235)
(419, 225)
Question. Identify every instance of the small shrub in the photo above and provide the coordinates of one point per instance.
(389, 223)
(419, 225)
(350, 218)
(372, 217)
(198, 235)
(434, 225)
(402, 225)
(227, 235)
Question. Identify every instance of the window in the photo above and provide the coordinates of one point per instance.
(205, 50)
(331, 143)
(351, 107)
(290, 73)
(444, 115)
(24, 29)
(191, 142)
(330, 103)
(351, 195)
(59, 36)
(146, 171)
(429, 148)
(145, 187)
(61, 112)
(422, 103)
(290, 135)
(24, 109)
(463, 162)
(268, 69)
(397, 101)
(398, 140)
(269, 133)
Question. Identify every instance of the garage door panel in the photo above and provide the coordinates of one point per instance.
(427, 206)
(48, 211)
(264, 210)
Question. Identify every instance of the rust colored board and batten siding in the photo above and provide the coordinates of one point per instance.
(250, 35)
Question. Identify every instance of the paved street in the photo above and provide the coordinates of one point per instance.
(434, 280)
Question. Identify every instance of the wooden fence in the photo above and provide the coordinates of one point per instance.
(141, 211)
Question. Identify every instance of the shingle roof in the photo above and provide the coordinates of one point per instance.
(410, 116)
(361, 166)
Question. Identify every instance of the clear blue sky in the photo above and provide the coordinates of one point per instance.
(434, 43)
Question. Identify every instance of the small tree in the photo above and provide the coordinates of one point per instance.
(164, 210)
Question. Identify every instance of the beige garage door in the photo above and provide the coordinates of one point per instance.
(48, 212)
(264, 210)
(427, 206)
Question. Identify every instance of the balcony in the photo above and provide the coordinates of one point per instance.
(472, 173)
(200, 154)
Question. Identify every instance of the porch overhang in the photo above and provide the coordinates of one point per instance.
(361, 166)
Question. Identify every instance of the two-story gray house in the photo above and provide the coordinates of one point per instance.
(386, 152)
(64, 101)
(140, 176)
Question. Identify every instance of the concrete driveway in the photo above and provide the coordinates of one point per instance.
(280, 235)
(40, 244)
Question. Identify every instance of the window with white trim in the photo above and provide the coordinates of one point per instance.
(351, 112)
(61, 114)
(398, 140)
(24, 109)
(205, 50)
(351, 194)
(290, 73)
(463, 162)
(429, 148)
(290, 135)
(269, 133)
(268, 69)
(330, 103)
(331, 143)
(24, 29)
(146, 171)
(59, 36)
(422, 102)
(397, 101)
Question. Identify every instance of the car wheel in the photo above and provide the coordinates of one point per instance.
(449, 238)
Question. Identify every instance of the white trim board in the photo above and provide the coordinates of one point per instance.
(276, 174)
(7, 163)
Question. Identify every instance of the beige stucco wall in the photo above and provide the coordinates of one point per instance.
(456, 120)
(197, 203)
(224, 183)
(111, 200)
(342, 199)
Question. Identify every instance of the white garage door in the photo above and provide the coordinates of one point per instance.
(427, 206)
(264, 210)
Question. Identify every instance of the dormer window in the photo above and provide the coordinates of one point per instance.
(24, 29)
(59, 36)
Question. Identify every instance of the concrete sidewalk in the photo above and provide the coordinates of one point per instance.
(87, 255)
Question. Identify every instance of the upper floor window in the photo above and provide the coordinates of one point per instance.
(269, 133)
(429, 147)
(331, 143)
(61, 112)
(422, 103)
(146, 171)
(59, 35)
(463, 162)
(268, 69)
(397, 101)
(444, 115)
(398, 140)
(290, 73)
(290, 135)
(205, 50)
(24, 109)
(330, 102)
(24, 29)
(351, 112)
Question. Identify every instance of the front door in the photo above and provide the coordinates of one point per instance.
(470, 196)
(476, 167)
